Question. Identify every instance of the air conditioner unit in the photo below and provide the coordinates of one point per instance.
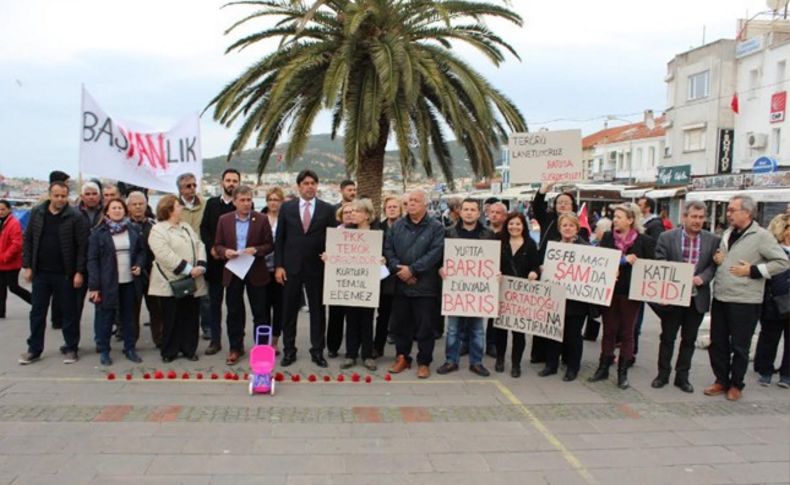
(756, 140)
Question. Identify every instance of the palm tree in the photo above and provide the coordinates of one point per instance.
(382, 67)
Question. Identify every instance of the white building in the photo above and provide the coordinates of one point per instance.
(629, 153)
(761, 129)
(700, 85)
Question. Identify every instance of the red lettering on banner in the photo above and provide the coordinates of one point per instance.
(469, 268)
(575, 272)
(148, 147)
(468, 303)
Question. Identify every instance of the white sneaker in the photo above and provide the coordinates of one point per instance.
(70, 358)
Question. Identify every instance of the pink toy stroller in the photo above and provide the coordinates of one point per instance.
(262, 360)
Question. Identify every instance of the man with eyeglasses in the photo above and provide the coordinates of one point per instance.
(748, 255)
(193, 215)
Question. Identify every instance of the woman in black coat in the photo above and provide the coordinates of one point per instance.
(116, 254)
(520, 259)
(564, 203)
(576, 312)
(619, 318)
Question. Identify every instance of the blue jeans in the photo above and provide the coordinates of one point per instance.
(472, 326)
(205, 315)
(57, 287)
(106, 317)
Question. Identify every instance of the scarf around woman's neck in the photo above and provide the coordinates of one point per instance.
(623, 243)
(116, 227)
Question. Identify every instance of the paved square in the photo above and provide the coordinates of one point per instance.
(71, 424)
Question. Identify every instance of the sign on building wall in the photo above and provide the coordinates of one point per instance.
(778, 105)
(679, 175)
(724, 157)
(546, 156)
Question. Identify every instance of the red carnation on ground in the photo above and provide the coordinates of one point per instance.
(171, 374)
(110, 376)
(368, 379)
(354, 377)
(327, 378)
(341, 378)
(235, 377)
(295, 378)
(246, 376)
(279, 377)
(228, 376)
(199, 376)
(388, 378)
(312, 378)
(185, 375)
(214, 376)
(128, 377)
(146, 376)
(159, 375)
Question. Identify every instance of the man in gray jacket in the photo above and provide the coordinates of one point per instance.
(413, 249)
(747, 256)
(687, 244)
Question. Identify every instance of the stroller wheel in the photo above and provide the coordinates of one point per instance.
(251, 389)
(271, 389)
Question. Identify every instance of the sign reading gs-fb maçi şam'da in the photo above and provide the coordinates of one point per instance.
(587, 273)
(352, 267)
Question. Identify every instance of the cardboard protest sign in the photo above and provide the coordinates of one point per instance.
(662, 282)
(351, 271)
(119, 150)
(546, 156)
(471, 288)
(531, 307)
(587, 273)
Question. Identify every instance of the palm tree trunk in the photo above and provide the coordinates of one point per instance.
(370, 170)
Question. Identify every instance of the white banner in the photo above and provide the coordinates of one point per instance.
(470, 287)
(587, 273)
(662, 282)
(531, 307)
(352, 271)
(114, 149)
(546, 156)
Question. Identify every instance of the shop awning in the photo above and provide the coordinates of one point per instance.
(759, 195)
(666, 193)
(634, 193)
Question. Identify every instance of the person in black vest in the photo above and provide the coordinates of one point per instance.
(54, 257)
(216, 207)
(138, 207)
(299, 242)
(393, 210)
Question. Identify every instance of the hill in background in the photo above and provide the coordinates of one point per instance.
(327, 158)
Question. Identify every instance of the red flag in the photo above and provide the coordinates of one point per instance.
(583, 220)
(734, 103)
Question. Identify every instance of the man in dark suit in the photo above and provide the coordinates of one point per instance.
(216, 207)
(240, 232)
(688, 244)
(300, 240)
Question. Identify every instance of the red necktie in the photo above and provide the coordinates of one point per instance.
(306, 217)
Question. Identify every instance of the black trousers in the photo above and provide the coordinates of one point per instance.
(292, 294)
(731, 328)
(9, 281)
(413, 317)
(519, 344)
(58, 288)
(592, 329)
(571, 346)
(538, 352)
(771, 331)
(687, 320)
(334, 328)
(180, 326)
(359, 332)
(382, 323)
(237, 314)
(273, 308)
(57, 309)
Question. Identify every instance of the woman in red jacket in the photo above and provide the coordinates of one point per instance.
(10, 256)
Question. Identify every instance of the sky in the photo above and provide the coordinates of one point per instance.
(154, 62)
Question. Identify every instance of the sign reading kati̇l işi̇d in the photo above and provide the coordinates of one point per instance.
(546, 156)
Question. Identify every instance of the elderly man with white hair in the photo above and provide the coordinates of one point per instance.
(413, 249)
(748, 255)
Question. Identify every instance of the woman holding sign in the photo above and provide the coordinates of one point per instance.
(564, 203)
(620, 316)
(576, 312)
(519, 259)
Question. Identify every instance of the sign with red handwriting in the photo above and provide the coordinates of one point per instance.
(662, 282)
(471, 287)
(532, 307)
(352, 267)
(587, 273)
(546, 156)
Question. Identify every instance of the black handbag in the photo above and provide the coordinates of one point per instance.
(182, 287)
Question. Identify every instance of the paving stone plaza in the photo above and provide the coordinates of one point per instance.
(71, 424)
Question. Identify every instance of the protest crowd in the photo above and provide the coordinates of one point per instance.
(477, 266)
